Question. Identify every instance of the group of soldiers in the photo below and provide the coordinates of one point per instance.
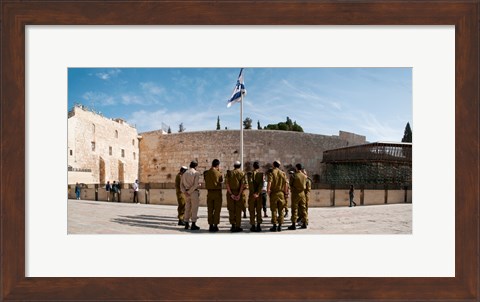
(279, 187)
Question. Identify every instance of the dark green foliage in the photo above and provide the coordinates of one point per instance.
(288, 125)
(407, 134)
(247, 123)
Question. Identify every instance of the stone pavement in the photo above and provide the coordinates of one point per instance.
(98, 217)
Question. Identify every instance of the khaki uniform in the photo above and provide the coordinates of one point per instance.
(213, 183)
(277, 181)
(189, 186)
(180, 197)
(307, 192)
(255, 184)
(298, 185)
(235, 181)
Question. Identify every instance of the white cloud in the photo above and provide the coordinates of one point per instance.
(152, 89)
(98, 99)
(108, 74)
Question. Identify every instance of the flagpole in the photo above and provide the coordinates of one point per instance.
(241, 130)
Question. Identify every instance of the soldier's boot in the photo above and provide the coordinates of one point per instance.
(274, 228)
(232, 229)
(180, 222)
(279, 228)
(252, 229)
(292, 227)
(259, 229)
(186, 225)
(194, 227)
(210, 229)
(238, 230)
(304, 226)
(215, 228)
(265, 214)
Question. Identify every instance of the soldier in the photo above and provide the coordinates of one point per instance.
(307, 191)
(298, 185)
(277, 189)
(180, 196)
(189, 186)
(255, 184)
(307, 194)
(213, 183)
(235, 181)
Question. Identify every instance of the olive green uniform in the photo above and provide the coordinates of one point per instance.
(298, 185)
(255, 184)
(307, 192)
(277, 181)
(234, 180)
(213, 183)
(180, 197)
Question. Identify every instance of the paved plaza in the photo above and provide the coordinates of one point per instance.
(99, 217)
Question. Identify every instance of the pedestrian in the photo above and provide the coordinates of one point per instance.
(255, 184)
(298, 185)
(351, 194)
(213, 183)
(135, 191)
(264, 197)
(77, 191)
(277, 189)
(180, 196)
(108, 188)
(189, 186)
(235, 181)
(114, 191)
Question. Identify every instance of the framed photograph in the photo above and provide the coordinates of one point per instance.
(437, 39)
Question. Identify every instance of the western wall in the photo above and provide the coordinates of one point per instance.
(162, 155)
(100, 149)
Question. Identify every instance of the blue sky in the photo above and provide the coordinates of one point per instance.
(375, 102)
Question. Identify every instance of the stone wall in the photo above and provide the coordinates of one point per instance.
(162, 155)
(96, 143)
(318, 198)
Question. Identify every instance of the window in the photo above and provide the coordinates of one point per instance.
(134, 156)
(110, 150)
(93, 146)
(123, 153)
(133, 142)
(71, 152)
(116, 134)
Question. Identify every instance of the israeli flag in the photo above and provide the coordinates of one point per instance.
(238, 90)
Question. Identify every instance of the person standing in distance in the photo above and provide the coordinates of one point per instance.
(213, 183)
(189, 187)
(298, 185)
(135, 191)
(108, 188)
(180, 196)
(351, 194)
(255, 184)
(235, 181)
(277, 189)
(264, 196)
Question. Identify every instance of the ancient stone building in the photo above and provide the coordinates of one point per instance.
(100, 149)
(161, 155)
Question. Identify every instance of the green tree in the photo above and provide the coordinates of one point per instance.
(296, 127)
(407, 134)
(247, 123)
(258, 125)
(218, 122)
(169, 130)
(181, 128)
(288, 125)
